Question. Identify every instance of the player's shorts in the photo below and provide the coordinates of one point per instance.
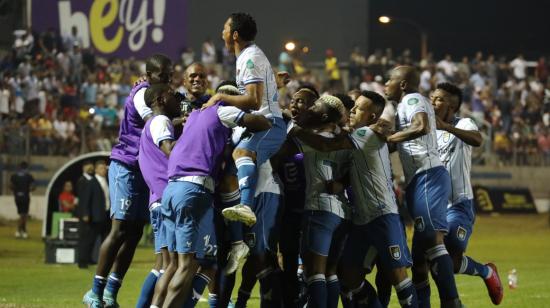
(461, 218)
(22, 203)
(187, 218)
(263, 236)
(383, 238)
(265, 143)
(427, 195)
(128, 193)
(318, 231)
(156, 223)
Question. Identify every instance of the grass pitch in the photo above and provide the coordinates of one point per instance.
(521, 242)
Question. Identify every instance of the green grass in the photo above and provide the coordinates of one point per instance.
(521, 242)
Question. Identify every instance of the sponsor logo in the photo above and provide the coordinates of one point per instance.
(249, 64)
(361, 132)
(412, 101)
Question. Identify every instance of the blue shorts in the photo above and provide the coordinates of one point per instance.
(264, 235)
(128, 193)
(265, 143)
(318, 232)
(185, 213)
(461, 218)
(156, 224)
(383, 238)
(427, 196)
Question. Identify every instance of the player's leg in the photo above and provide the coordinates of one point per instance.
(161, 286)
(180, 284)
(461, 219)
(289, 246)
(248, 280)
(420, 274)
(383, 286)
(338, 243)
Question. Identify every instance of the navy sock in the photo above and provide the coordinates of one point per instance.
(423, 292)
(383, 288)
(471, 267)
(242, 299)
(148, 289)
(365, 296)
(441, 267)
(406, 293)
(333, 291)
(99, 285)
(248, 175)
(200, 281)
(270, 287)
(213, 300)
(114, 282)
(317, 290)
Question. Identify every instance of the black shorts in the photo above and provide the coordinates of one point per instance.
(22, 203)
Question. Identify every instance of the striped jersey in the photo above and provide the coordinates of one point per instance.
(371, 177)
(456, 156)
(321, 167)
(254, 67)
(419, 154)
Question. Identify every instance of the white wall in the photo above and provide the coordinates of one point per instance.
(9, 211)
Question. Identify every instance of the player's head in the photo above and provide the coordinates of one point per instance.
(367, 110)
(301, 101)
(228, 87)
(163, 100)
(100, 167)
(194, 79)
(23, 165)
(446, 100)
(68, 186)
(327, 109)
(348, 104)
(239, 27)
(159, 69)
(403, 79)
(88, 167)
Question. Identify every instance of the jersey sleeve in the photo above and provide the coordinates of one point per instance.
(467, 124)
(139, 104)
(252, 71)
(230, 116)
(415, 105)
(161, 129)
(361, 137)
(302, 147)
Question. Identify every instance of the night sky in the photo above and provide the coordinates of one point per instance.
(465, 26)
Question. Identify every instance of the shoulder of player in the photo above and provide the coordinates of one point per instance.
(159, 121)
(465, 123)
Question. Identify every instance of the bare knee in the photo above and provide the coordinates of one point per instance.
(238, 153)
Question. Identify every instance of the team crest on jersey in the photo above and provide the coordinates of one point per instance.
(249, 64)
(419, 224)
(250, 239)
(412, 101)
(328, 163)
(361, 132)
(461, 233)
(395, 252)
(446, 137)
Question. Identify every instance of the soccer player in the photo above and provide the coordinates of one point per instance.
(455, 139)
(22, 183)
(128, 191)
(428, 185)
(377, 231)
(258, 86)
(193, 167)
(325, 213)
(195, 85)
(155, 146)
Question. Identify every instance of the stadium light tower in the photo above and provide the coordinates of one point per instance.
(423, 35)
(290, 46)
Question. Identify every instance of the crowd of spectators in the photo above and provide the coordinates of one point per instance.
(65, 100)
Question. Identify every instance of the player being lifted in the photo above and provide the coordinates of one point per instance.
(455, 138)
(257, 84)
(428, 185)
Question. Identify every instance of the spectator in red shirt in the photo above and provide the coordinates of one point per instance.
(67, 200)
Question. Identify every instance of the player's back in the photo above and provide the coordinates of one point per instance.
(254, 67)
(419, 154)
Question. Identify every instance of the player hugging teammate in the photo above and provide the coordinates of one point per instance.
(313, 184)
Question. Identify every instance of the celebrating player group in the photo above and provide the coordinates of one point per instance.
(305, 195)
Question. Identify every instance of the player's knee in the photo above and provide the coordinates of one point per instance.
(457, 261)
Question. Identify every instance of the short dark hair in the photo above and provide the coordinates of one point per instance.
(453, 90)
(87, 162)
(156, 62)
(23, 165)
(310, 87)
(100, 162)
(378, 101)
(153, 92)
(346, 100)
(226, 83)
(245, 25)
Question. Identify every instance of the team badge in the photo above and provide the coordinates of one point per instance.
(249, 64)
(361, 132)
(412, 101)
(461, 233)
(419, 224)
(250, 239)
(395, 252)
(446, 137)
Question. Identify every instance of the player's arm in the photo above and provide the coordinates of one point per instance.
(231, 117)
(420, 126)
(139, 103)
(33, 184)
(163, 134)
(470, 137)
(255, 122)
(166, 146)
(252, 100)
(320, 143)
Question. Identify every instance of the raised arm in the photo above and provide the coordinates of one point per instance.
(252, 100)
(420, 126)
(255, 122)
(470, 137)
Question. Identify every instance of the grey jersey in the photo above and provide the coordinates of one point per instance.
(371, 180)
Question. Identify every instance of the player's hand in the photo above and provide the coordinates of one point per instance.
(440, 124)
(334, 187)
(141, 79)
(86, 219)
(211, 102)
(282, 78)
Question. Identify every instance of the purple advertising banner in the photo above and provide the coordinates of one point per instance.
(117, 28)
